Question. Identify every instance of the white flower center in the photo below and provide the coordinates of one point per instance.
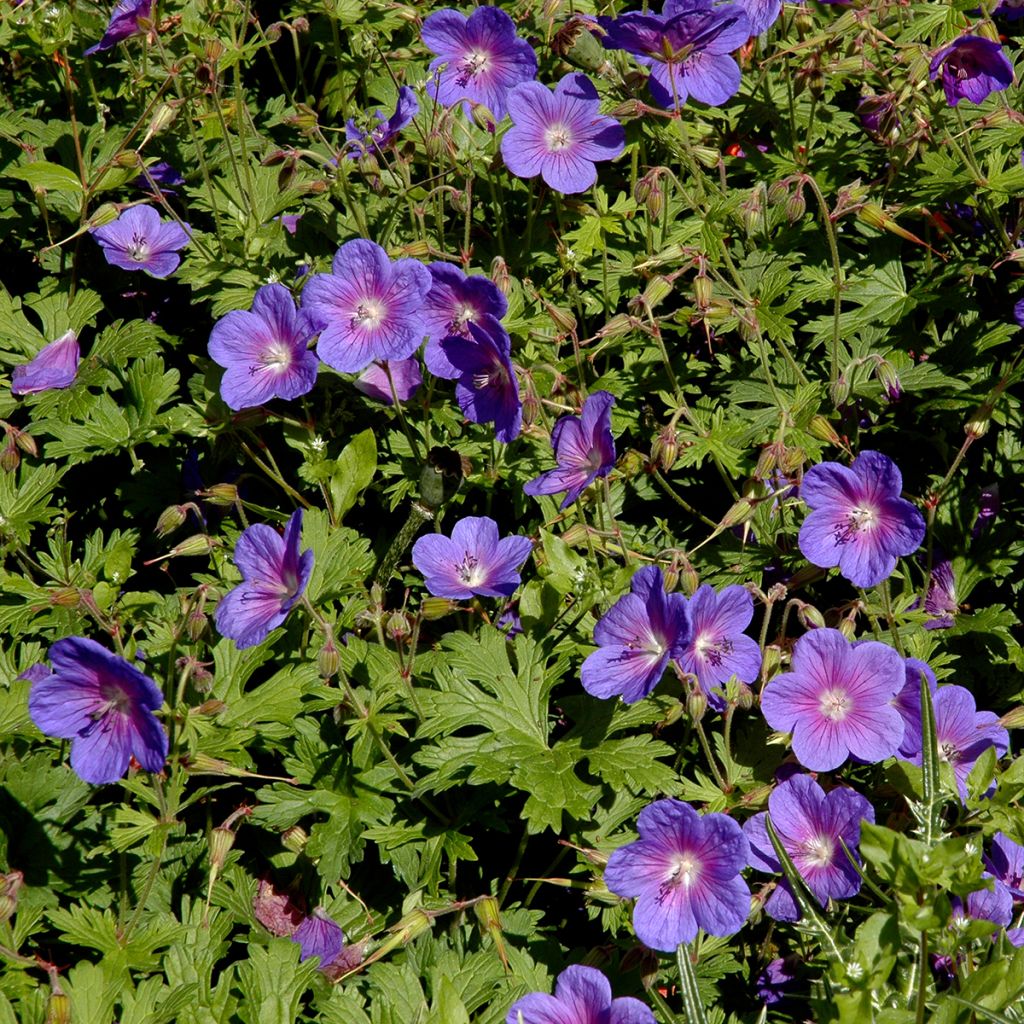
(819, 851)
(276, 357)
(949, 753)
(369, 314)
(835, 704)
(857, 520)
(557, 137)
(684, 870)
(138, 249)
(475, 62)
(712, 648)
(470, 571)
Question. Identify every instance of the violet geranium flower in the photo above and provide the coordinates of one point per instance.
(377, 139)
(124, 22)
(368, 307)
(685, 872)
(54, 366)
(964, 733)
(810, 824)
(837, 700)
(320, 936)
(560, 135)
(859, 521)
(472, 561)
(940, 601)
(636, 638)
(104, 705)
(479, 58)
(582, 996)
(972, 68)
(405, 375)
(1006, 862)
(487, 390)
(274, 576)
(161, 174)
(455, 300)
(264, 351)
(908, 703)
(718, 649)
(140, 240)
(584, 450)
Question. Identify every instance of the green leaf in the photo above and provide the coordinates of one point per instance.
(50, 177)
(357, 464)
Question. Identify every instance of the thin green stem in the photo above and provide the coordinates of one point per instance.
(837, 275)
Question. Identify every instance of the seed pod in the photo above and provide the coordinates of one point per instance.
(398, 626)
(197, 544)
(658, 289)
(619, 325)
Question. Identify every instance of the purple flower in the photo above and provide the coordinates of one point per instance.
(584, 450)
(455, 301)
(859, 522)
(761, 14)
(837, 700)
(811, 825)
(879, 117)
(405, 373)
(774, 982)
(636, 638)
(560, 135)
(124, 22)
(1011, 10)
(274, 575)
(687, 49)
(972, 67)
(290, 222)
(472, 561)
(908, 703)
(264, 351)
(104, 705)
(940, 601)
(54, 366)
(582, 996)
(1018, 309)
(480, 58)
(36, 672)
(163, 175)
(1006, 862)
(386, 131)
(995, 904)
(718, 649)
(140, 240)
(964, 733)
(487, 389)
(320, 936)
(988, 509)
(685, 872)
(367, 308)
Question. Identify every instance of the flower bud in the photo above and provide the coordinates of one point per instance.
(820, 428)
(658, 289)
(328, 661)
(398, 626)
(197, 544)
(979, 422)
(696, 704)
(744, 697)
(619, 325)
(777, 192)
(25, 441)
(627, 109)
(688, 578)
(208, 707)
(796, 206)
(1013, 719)
(9, 457)
(703, 291)
(294, 839)
(223, 495)
(562, 318)
(64, 597)
(665, 448)
(810, 617)
(58, 1009)
(482, 117)
(196, 624)
(220, 843)
(741, 512)
(163, 118)
(771, 660)
(839, 391)
(437, 607)
(500, 275)
(886, 374)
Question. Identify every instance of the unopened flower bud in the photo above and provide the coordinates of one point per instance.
(703, 291)
(208, 707)
(778, 191)
(562, 318)
(328, 661)
(696, 705)
(671, 572)
(658, 289)
(221, 841)
(197, 544)
(64, 597)
(500, 275)
(770, 661)
(294, 838)
(740, 512)
(25, 441)
(58, 1009)
(820, 428)
(848, 625)
(665, 448)
(196, 624)
(796, 206)
(840, 391)
(619, 325)
(979, 422)
(1013, 719)
(223, 495)
(640, 958)
(626, 109)
(482, 117)
(9, 457)
(398, 626)
(162, 118)
(744, 697)
(810, 617)
(886, 374)
(437, 607)
(688, 578)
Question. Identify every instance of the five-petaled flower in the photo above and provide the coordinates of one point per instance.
(972, 67)
(636, 638)
(1006, 862)
(487, 389)
(479, 58)
(859, 521)
(584, 450)
(104, 705)
(685, 872)
(125, 20)
(560, 135)
(54, 366)
(379, 137)
(368, 307)
(274, 577)
(718, 649)
(264, 351)
(582, 996)
(140, 240)
(472, 561)
(837, 700)
(811, 826)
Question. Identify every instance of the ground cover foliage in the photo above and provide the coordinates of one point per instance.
(413, 734)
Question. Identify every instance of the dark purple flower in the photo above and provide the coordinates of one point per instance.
(368, 307)
(54, 366)
(908, 703)
(837, 700)
(988, 509)
(1006, 862)
(879, 117)
(687, 49)
(124, 22)
(405, 374)
(455, 300)
(718, 649)
(995, 904)
(387, 128)
(859, 523)
(811, 825)
(472, 561)
(479, 58)
(582, 996)
(774, 982)
(761, 14)
(560, 135)
(163, 175)
(972, 68)
(964, 733)
(320, 936)
(685, 872)
(104, 705)
(636, 638)
(1011, 10)
(509, 622)
(274, 576)
(487, 389)
(140, 240)
(584, 450)
(1018, 309)
(940, 602)
(264, 351)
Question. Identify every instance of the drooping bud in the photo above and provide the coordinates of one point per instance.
(658, 289)
(58, 1008)
(696, 704)
(839, 391)
(665, 448)
(575, 43)
(196, 624)
(703, 291)
(770, 661)
(25, 441)
(9, 457)
(810, 617)
(500, 275)
(197, 544)
(224, 495)
(820, 428)
(886, 374)
(489, 915)
(796, 205)
(170, 519)
(437, 607)
(744, 696)
(328, 661)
